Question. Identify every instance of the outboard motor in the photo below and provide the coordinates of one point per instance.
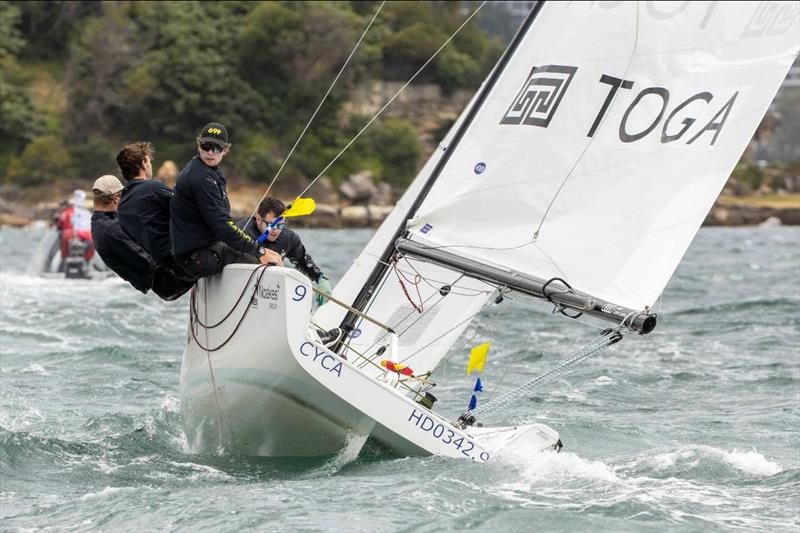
(75, 266)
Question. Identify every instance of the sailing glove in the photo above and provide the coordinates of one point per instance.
(325, 285)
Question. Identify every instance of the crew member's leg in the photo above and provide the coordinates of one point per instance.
(211, 260)
(168, 286)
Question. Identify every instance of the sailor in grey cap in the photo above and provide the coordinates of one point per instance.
(122, 255)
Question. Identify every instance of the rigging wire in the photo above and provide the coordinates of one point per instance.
(319, 106)
(430, 281)
(607, 338)
(503, 294)
(409, 314)
(392, 99)
(194, 319)
(427, 280)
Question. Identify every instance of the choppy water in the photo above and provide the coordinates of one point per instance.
(693, 428)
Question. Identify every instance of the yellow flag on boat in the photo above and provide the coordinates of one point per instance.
(300, 207)
(477, 357)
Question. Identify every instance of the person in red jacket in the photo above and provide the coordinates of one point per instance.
(75, 222)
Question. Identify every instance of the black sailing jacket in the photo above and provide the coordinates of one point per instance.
(144, 215)
(287, 243)
(122, 255)
(200, 212)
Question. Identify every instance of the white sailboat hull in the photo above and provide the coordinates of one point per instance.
(267, 387)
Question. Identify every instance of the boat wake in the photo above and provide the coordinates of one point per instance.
(677, 485)
(348, 454)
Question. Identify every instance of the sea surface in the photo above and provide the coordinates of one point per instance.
(695, 427)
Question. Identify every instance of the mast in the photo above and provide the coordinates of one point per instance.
(368, 289)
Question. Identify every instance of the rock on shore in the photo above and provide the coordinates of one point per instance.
(361, 203)
(751, 215)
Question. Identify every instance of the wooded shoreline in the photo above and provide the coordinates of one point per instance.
(728, 211)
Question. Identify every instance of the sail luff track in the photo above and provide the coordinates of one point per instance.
(368, 289)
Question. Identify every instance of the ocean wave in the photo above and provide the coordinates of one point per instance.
(702, 462)
(21, 447)
(683, 486)
(775, 305)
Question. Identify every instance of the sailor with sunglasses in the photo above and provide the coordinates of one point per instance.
(268, 228)
(203, 236)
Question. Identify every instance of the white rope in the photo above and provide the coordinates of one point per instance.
(381, 110)
(220, 449)
(333, 83)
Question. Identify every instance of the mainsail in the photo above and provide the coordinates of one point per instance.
(591, 155)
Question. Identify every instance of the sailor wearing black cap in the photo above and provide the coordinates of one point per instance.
(203, 236)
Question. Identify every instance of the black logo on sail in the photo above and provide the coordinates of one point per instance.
(537, 101)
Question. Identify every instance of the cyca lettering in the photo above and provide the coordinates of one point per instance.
(325, 360)
(668, 132)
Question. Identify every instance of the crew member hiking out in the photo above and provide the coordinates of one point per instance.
(144, 207)
(281, 239)
(203, 236)
(127, 259)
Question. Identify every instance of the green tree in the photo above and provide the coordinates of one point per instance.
(398, 145)
(103, 51)
(43, 160)
(19, 120)
(10, 36)
(93, 157)
(456, 69)
(48, 24)
(159, 70)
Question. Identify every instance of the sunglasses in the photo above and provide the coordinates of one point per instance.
(211, 147)
(278, 223)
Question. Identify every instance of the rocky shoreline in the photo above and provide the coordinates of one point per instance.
(752, 215)
(359, 202)
(341, 216)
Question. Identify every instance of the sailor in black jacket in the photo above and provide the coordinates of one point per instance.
(204, 238)
(122, 255)
(144, 208)
(283, 241)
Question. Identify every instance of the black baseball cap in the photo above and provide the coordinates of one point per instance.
(214, 132)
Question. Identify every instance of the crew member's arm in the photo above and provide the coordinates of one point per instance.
(296, 252)
(214, 210)
(248, 225)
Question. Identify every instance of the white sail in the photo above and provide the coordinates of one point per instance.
(611, 131)
(423, 340)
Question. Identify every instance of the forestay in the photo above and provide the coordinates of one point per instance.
(611, 131)
(423, 337)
